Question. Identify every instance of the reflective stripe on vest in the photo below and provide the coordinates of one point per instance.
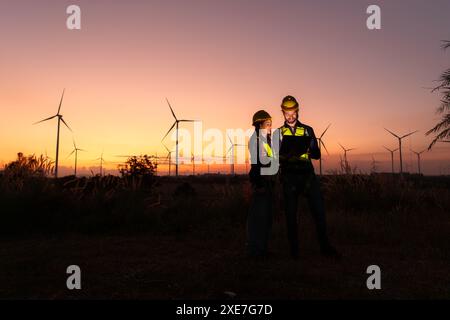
(299, 132)
(268, 149)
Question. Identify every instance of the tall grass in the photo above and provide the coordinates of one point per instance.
(31, 202)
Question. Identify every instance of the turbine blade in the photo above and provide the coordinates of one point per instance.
(71, 153)
(65, 123)
(60, 103)
(188, 120)
(323, 144)
(49, 118)
(173, 113)
(342, 146)
(166, 147)
(325, 131)
(409, 134)
(392, 133)
(169, 130)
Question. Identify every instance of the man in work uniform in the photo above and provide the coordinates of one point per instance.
(259, 219)
(298, 146)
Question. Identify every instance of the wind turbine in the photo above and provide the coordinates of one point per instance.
(347, 169)
(392, 156)
(193, 163)
(400, 145)
(169, 157)
(156, 163)
(321, 143)
(374, 164)
(175, 124)
(232, 152)
(102, 160)
(418, 157)
(48, 157)
(345, 152)
(60, 118)
(208, 162)
(75, 150)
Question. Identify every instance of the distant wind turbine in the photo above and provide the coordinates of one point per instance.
(208, 162)
(374, 164)
(47, 156)
(233, 145)
(175, 124)
(345, 152)
(392, 156)
(418, 158)
(102, 160)
(400, 145)
(156, 163)
(75, 150)
(169, 156)
(321, 143)
(193, 163)
(60, 118)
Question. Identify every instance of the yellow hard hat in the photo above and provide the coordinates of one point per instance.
(261, 116)
(289, 104)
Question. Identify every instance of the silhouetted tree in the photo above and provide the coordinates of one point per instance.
(138, 166)
(442, 129)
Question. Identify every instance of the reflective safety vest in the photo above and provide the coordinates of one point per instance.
(299, 132)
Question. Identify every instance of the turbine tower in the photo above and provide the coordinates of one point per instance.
(392, 156)
(400, 145)
(321, 143)
(60, 119)
(175, 124)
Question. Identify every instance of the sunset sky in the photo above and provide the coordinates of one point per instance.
(220, 61)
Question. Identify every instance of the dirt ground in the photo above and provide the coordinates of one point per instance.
(413, 254)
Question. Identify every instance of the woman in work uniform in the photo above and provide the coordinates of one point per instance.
(259, 220)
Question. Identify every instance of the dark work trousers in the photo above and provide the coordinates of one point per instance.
(259, 219)
(307, 184)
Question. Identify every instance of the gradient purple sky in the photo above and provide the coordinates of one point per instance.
(220, 61)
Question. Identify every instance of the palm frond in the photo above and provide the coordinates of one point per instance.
(442, 128)
(445, 44)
